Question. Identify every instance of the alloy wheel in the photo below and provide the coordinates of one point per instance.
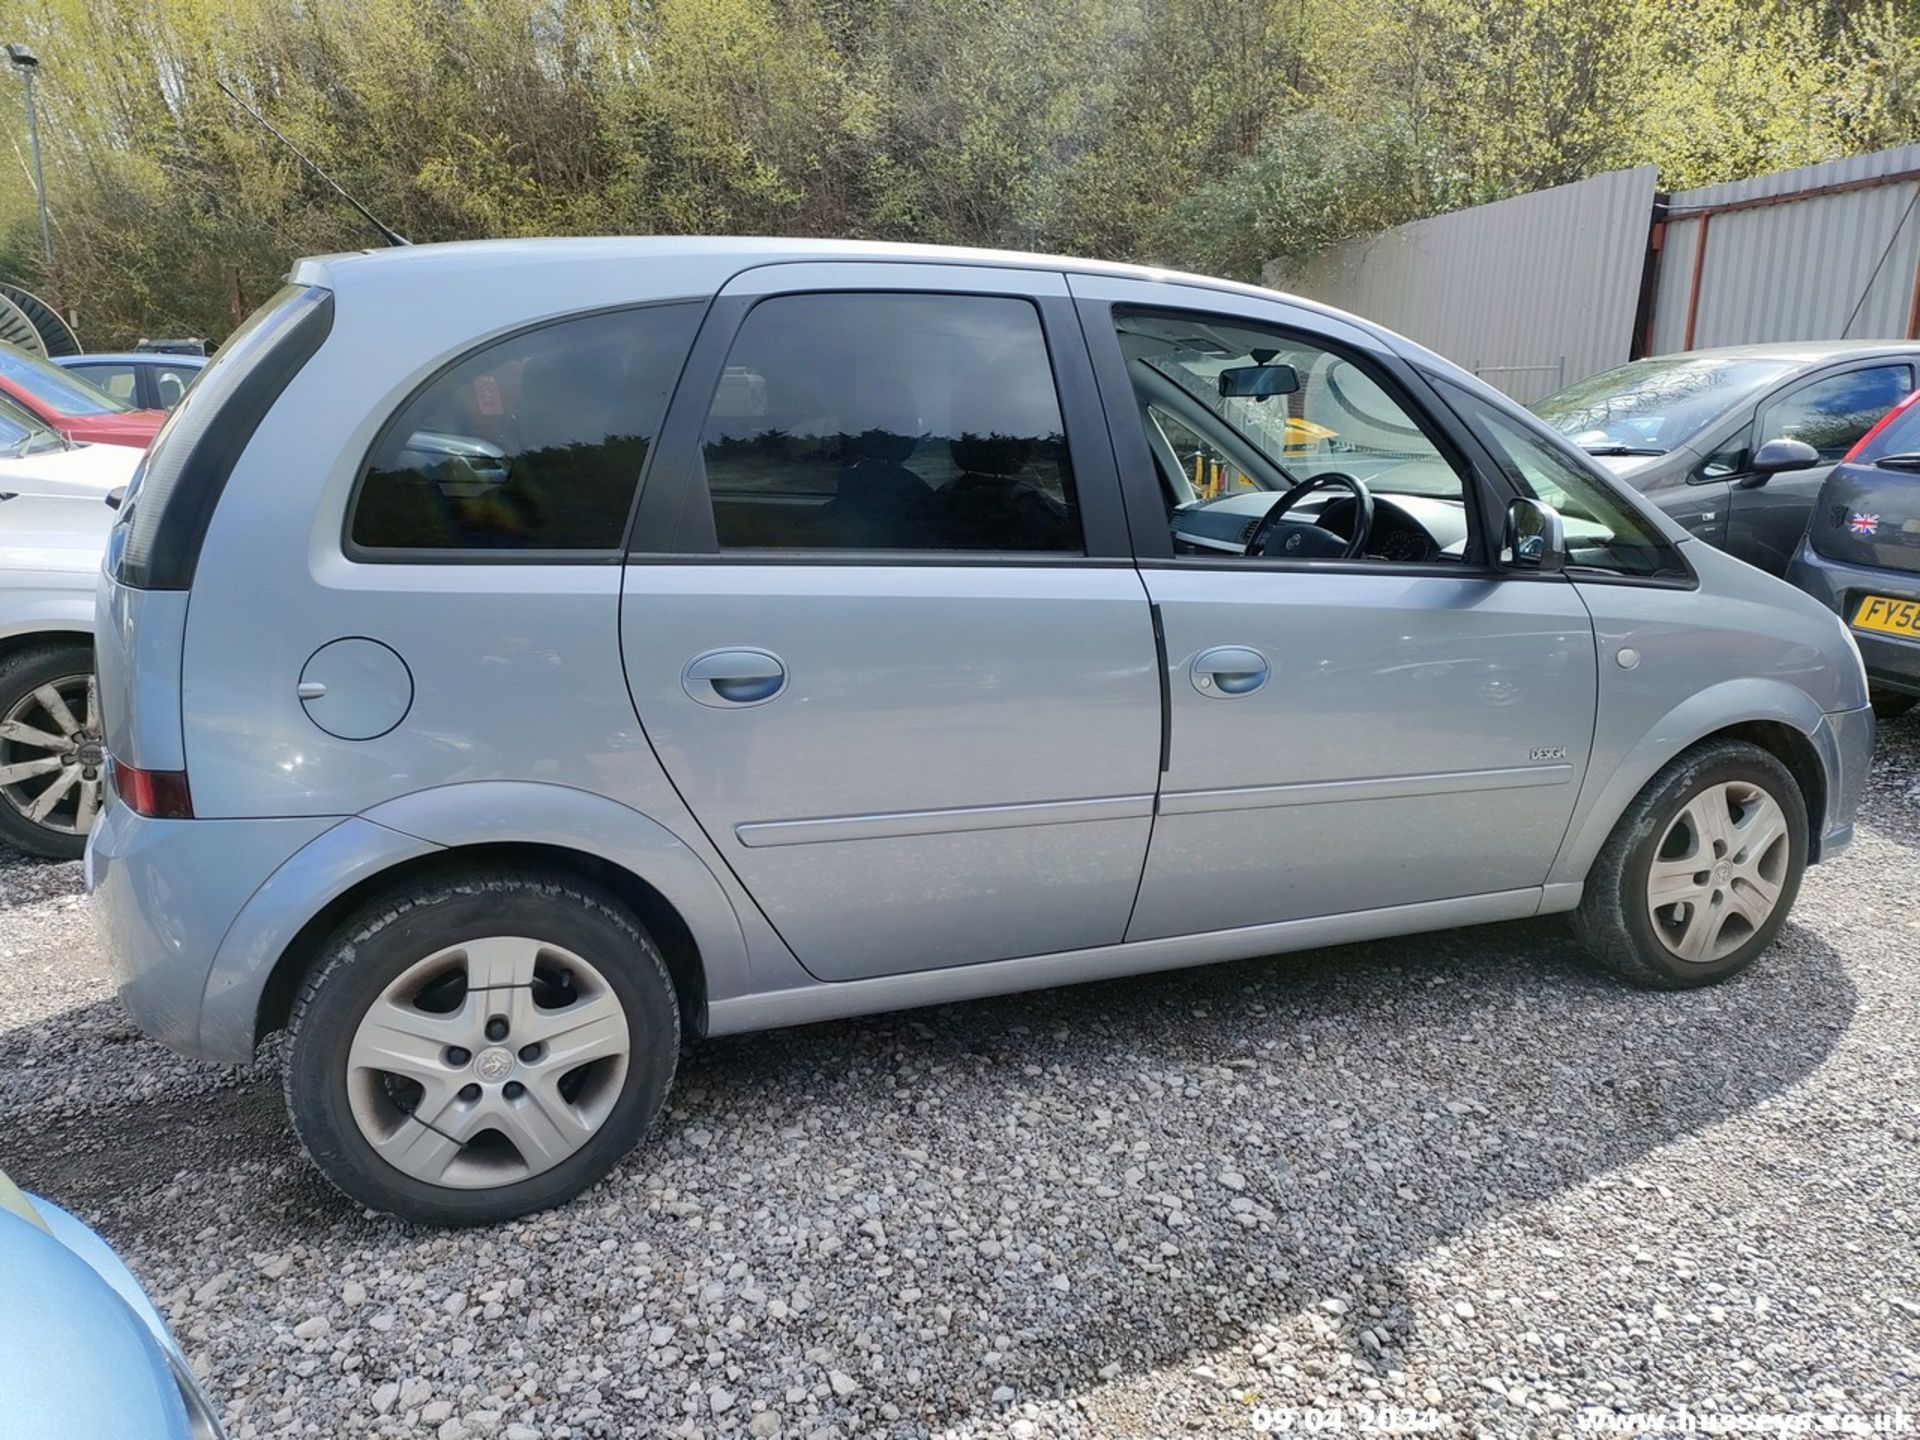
(52, 758)
(488, 1062)
(1718, 873)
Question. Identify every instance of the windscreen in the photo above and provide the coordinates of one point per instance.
(1653, 406)
(21, 434)
(54, 387)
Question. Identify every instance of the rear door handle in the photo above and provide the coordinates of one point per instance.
(1229, 670)
(725, 679)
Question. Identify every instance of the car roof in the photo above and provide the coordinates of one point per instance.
(136, 357)
(744, 252)
(1805, 352)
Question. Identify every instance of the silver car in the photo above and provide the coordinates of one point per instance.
(518, 657)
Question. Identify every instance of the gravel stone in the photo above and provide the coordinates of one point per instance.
(1477, 1177)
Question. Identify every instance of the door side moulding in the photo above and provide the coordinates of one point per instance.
(1384, 787)
(890, 825)
(838, 1000)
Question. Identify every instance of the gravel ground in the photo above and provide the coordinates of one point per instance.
(1458, 1183)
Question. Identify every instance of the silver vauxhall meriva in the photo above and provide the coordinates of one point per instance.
(515, 656)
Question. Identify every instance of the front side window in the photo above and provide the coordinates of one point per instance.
(1832, 414)
(119, 381)
(1237, 413)
(1604, 531)
(890, 422)
(533, 443)
(54, 387)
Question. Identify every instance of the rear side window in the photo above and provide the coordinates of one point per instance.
(1832, 414)
(155, 544)
(890, 422)
(533, 443)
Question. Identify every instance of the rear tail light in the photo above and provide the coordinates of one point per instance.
(156, 794)
(1859, 449)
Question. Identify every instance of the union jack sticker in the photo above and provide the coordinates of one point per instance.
(1861, 524)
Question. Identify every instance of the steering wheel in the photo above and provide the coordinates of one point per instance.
(1302, 540)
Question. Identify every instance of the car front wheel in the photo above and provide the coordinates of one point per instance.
(481, 1048)
(52, 762)
(1699, 874)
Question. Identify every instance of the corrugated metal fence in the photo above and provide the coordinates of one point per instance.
(1826, 253)
(1543, 289)
(1530, 292)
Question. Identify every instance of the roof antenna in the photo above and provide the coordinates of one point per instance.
(387, 233)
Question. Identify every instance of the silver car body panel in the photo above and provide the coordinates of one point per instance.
(1299, 798)
(49, 557)
(806, 1004)
(948, 736)
(959, 790)
(140, 675)
(166, 893)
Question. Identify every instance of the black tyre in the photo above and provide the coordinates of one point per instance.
(481, 1048)
(1698, 876)
(52, 763)
(1890, 706)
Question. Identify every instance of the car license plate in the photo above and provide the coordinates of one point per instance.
(1888, 616)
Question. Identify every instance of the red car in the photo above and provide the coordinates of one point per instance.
(70, 405)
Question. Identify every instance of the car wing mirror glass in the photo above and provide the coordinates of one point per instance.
(1777, 455)
(116, 497)
(1536, 537)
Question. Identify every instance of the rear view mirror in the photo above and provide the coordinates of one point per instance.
(1536, 537)
(1778, 455)
(1259, 382)
(116, 497)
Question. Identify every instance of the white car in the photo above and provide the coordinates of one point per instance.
(36, 460)
(51, 760)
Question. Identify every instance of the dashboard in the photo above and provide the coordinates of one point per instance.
(1409, 529)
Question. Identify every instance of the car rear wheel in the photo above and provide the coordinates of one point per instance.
(1699, 874)
(52, 762)
(482, 1048)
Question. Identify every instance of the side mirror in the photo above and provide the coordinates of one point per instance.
(116, 497)
(1536, 537)
(1778, 455)
(1259, 382)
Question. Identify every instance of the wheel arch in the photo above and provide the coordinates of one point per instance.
(31, 635)
(551, 829)
(656, 913)
(1778, 718)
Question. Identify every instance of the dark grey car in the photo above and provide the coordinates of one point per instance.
(1735, 443)
(1861, 556)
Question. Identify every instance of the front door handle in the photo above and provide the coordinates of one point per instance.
(1229, 670)
(729, 678)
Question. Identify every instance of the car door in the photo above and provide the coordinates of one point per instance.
(881, 624)
(1345, 735)
(1830, 411)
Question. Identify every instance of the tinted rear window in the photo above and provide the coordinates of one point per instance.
(532, 443)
